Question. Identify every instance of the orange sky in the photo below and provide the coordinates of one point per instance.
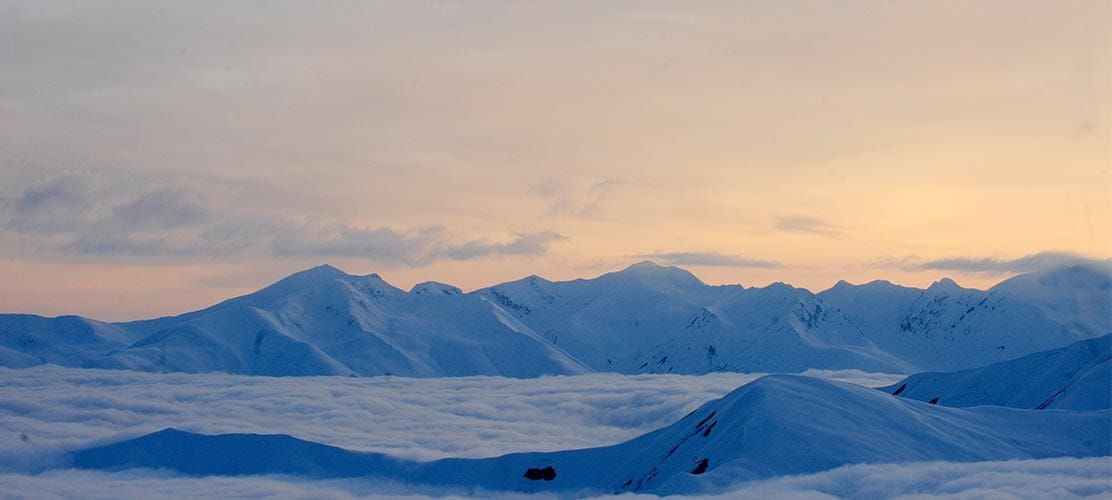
(156, 159)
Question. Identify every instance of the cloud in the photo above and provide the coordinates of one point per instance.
(50, 205)
(338, 240)
(164, 208)
(1016, 479)
(575, 202)
(69, 408)
(994, 265)
(106, 215)
(713, 259)
(808, 225)
(523, 244)
(66, 408)
(411, 248)
(1045, 478)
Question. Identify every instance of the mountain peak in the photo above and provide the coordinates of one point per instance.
(299, 280)
(945, 285)
(435, 288)
(323, 269)
(645, 265)
(652, 271)
(313, 274)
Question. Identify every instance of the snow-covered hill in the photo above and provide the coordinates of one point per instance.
(776, 425)
(643, 319)
(1076, 377)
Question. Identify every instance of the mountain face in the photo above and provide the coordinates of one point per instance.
(946, 327)
(644, 319)
(325, 322)
(776, 425)
(1075, 377)
(653, 319)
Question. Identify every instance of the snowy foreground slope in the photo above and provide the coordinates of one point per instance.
(1075, 377)
(644, 319)
(774, 426)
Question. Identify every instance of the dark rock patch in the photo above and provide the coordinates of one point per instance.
(701, 467)
(900, 390)
(546, 474)
(704, 420)
(933, 401)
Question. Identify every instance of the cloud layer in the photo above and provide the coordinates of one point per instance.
(64, 408)
(61, 408)
(1080, 478)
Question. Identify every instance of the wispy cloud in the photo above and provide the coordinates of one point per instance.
(164, 208)
(575, 202)
(530, 244)
(995, 265)
(93, 214)
(414, 248)
(710, 259)
(808, 225)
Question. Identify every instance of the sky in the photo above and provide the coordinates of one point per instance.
(157, 157)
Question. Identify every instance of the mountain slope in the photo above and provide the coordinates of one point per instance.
(325, 322)
(776, 425)
(1076, 377)
(28, 340)
(1077, 296)
(654, 319)
(947, 327)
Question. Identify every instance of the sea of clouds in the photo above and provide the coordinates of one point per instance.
(1015, 479)
(46, 411)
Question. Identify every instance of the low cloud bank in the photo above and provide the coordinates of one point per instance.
(1045, 478)
(46, 410)
(1017, 479)
(61, 409)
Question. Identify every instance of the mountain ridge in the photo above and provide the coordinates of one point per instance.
(645, 318)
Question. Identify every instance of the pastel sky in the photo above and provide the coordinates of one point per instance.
(156, 157)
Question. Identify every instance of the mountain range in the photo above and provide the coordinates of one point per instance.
(646, 318)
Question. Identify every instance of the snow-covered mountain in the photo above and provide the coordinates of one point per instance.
(1075, 377)
(947, 327)
(316, 322)
(643, 319)
(776, 425)
(654, 319)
